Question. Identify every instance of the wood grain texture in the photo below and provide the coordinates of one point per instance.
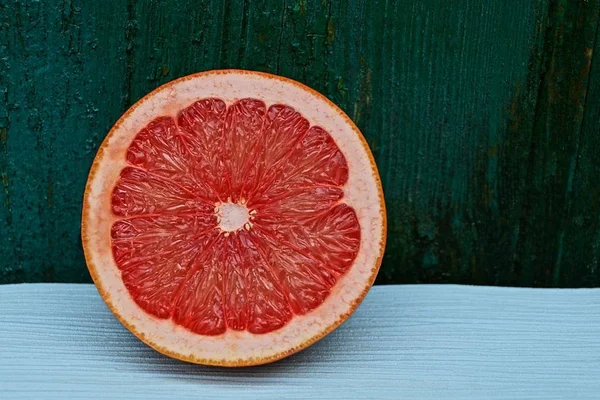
(418, 342)
(484, 118)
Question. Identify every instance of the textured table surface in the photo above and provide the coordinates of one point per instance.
(60, 341)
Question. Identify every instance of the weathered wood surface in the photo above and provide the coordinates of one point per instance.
(404, 342)
(483, 115)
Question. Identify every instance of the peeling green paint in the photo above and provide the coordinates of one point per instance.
(300, 6)
(330, 31)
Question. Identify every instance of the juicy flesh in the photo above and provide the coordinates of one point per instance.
(232, 217)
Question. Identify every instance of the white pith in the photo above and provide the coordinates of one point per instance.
(232, 216)
(362, 192)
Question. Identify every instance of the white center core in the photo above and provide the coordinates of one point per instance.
(232, 216)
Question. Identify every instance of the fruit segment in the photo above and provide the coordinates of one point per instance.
(332, 238)
(155, 253)
(201, 127)
(140, 192)
(286, 251)
(242, 133)
(198, 304)
(314, 161)
(171, 152)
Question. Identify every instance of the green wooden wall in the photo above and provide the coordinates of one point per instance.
(483, 115)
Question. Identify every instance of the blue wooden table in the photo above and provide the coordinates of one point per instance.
(428, 342)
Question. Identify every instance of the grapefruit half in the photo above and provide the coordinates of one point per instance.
(233, 218)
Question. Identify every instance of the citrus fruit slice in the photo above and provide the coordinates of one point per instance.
(233, 218)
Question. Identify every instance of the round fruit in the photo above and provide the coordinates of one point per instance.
(233, 218)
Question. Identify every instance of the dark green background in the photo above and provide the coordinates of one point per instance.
(483, 115)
